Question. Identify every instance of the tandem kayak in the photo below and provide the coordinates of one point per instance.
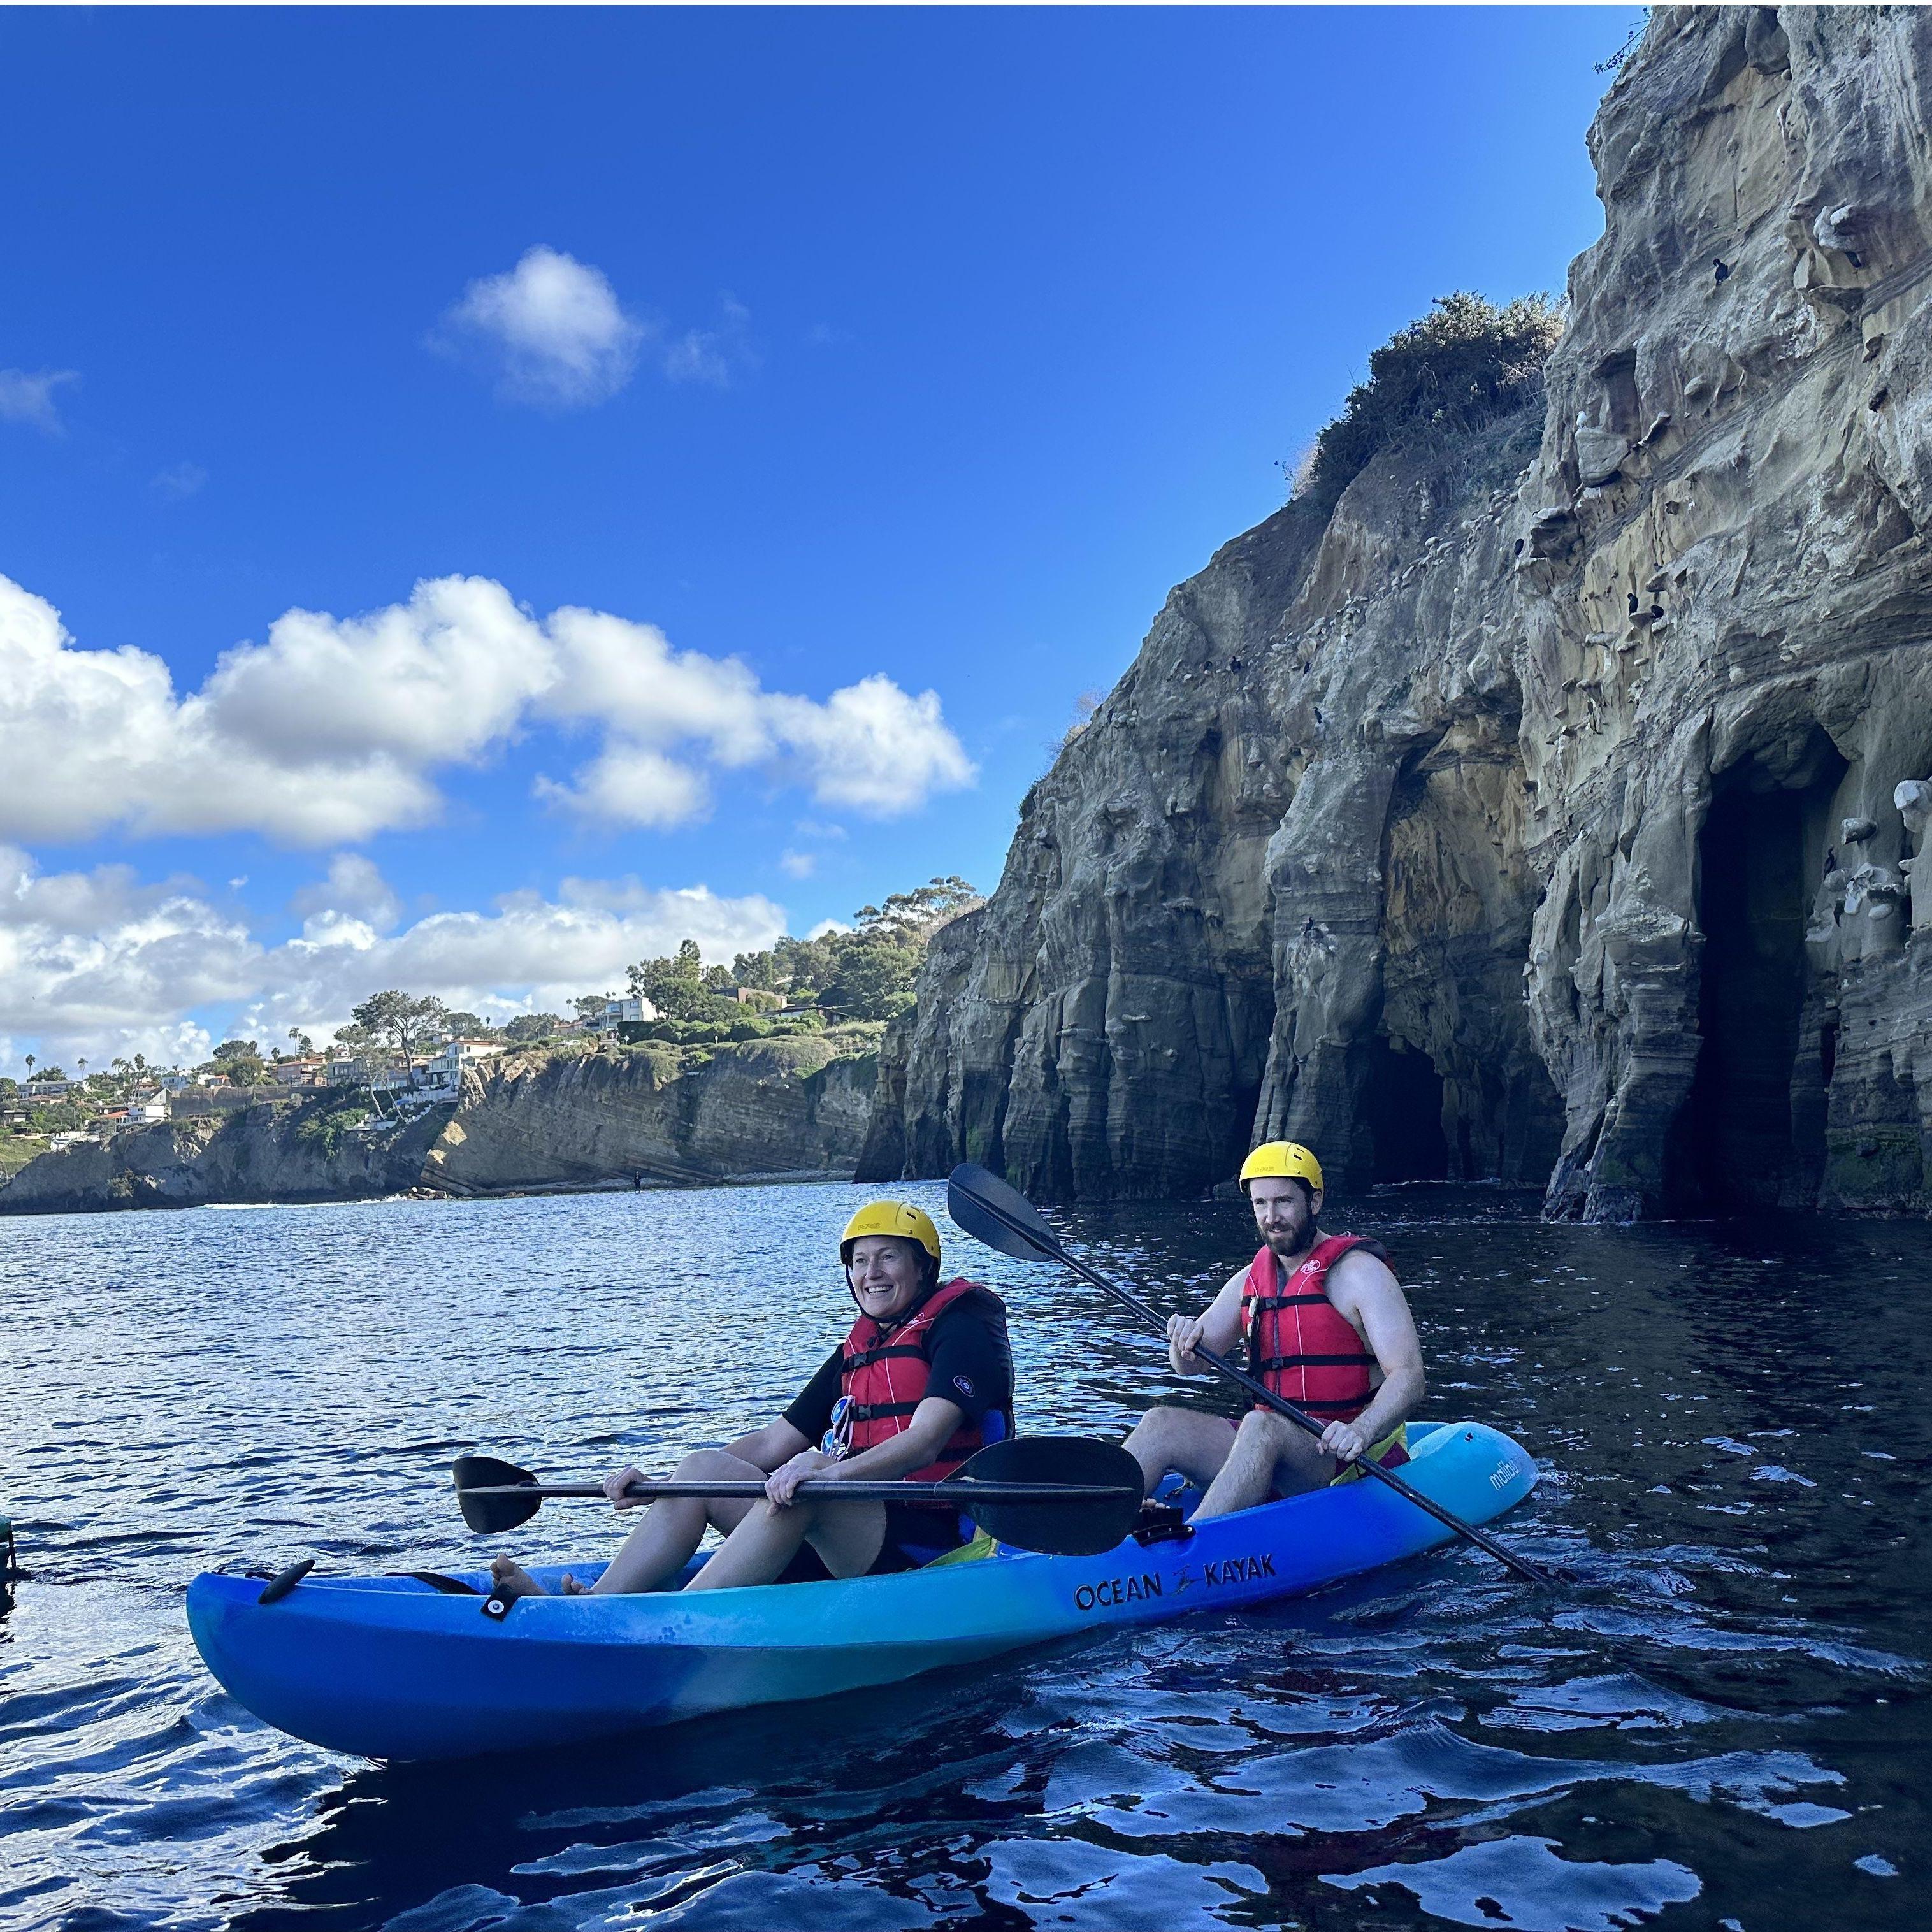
(397, 1667)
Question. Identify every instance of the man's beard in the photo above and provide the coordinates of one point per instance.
(1303, 1240)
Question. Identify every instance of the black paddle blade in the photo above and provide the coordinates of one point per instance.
(488, 1515)
(1080, 1526)
(1000, 1216)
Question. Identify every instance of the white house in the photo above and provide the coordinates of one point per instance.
(617, 1013)
(446, 1069)
(146, 1113)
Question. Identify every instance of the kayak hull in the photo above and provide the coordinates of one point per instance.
(389, 1667)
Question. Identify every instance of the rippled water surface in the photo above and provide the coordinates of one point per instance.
(1720, 1721)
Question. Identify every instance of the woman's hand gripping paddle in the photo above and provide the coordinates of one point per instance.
(991, 1210)
(1065, 1495)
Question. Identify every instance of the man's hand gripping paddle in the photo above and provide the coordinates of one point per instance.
(991, 1211)
(1066, 1495)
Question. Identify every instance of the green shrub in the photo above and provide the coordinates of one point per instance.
(327, 1125)
(1466, 363)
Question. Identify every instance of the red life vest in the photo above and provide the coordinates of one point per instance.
(884, 1375)
(1300, 1345)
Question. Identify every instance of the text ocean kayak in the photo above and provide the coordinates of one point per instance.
(390, 1667)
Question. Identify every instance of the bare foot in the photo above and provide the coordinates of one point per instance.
(509, 1580)
(572, 1588)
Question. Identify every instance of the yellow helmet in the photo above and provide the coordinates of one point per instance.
(1281, 1160)
(900, 1218)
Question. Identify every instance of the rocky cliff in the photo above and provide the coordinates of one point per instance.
(771, 1108)
(764, 1109)
(297, 1153)
(1547, 810)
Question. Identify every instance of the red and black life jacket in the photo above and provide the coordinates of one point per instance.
(883, 1374)
(1300, 1345)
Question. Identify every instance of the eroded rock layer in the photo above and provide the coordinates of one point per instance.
(258, 1154)
(1548, 811)
(767, 1108)
(648, 1116)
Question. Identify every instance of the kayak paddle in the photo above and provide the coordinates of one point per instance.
(1066, 1495)
(991, 1211)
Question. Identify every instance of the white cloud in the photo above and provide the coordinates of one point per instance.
(873, 747)
(797, 865)
(331, 730)
(99, 964)
(552, 327)
(355, 888)
(179, 480)
(713, 355)
(437, 680)
(632, 784)
(29, 398)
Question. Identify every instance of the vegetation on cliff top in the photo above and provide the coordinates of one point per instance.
(1464, 364)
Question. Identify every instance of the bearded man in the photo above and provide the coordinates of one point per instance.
(1326, 1327)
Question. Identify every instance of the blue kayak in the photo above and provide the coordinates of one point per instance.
(394, 1667)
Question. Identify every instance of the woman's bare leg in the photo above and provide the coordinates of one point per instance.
(673, 1528)
(663, 1544)
(847, 1536)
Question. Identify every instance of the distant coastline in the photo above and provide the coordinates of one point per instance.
(616, 1116)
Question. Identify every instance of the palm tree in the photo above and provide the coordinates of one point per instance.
(30, 1063)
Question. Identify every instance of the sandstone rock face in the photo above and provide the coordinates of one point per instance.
(763, 1109)
(1496, 825)
(262, 1154)
(789, 1108)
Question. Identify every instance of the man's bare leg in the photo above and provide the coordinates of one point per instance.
(1270, 1456)
(1182, 1439)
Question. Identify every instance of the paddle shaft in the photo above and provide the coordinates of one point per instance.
(1150, 1318)
(963, 1492)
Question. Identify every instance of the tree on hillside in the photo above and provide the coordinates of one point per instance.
(589, 1007)
(527, 1027)
(467, 1026)
(867, 972)
(675, 987)
(404, 1023)
(241, 1060)
(304, 1045)
(919, 914)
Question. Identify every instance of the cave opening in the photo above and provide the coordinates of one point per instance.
(1401, 1105)
(1751, 907)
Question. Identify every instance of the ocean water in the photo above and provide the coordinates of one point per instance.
(1719, 1721)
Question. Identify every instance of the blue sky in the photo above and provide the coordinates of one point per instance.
(883, 352)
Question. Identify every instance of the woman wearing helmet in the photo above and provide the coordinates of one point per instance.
(1327, 1327)
(923, 1378)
